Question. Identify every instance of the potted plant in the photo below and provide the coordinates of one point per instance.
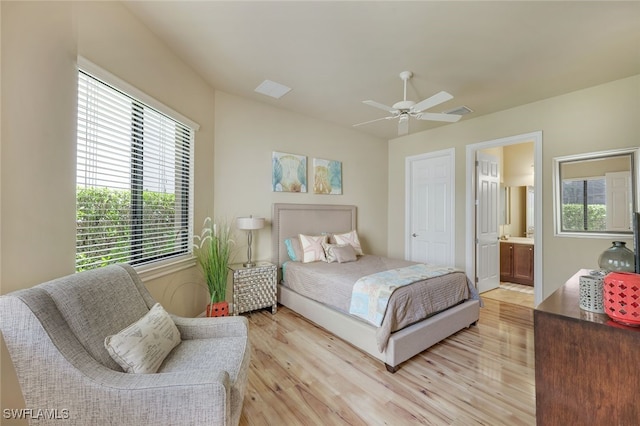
(212, 249)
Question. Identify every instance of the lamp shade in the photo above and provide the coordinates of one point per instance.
(250, 223)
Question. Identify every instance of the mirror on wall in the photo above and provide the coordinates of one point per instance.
(516, 211)
(595, 194)
(505, 205)
(530, 209)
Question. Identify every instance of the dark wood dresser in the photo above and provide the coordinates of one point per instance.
(587, 365)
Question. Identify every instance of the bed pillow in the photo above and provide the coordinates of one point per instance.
(345, 253)
(142, 346)
(349, 238)
(312, 247)
(330, 251)
(294, 249)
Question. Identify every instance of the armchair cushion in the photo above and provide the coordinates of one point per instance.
(142, 346)
(98, 304)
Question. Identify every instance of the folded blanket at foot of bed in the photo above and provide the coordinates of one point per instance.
(370, 294)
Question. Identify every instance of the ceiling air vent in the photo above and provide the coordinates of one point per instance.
(461, 110)
(273, 89)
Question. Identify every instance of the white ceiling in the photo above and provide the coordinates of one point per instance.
(489, 55)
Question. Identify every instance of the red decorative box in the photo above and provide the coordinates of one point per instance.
(622, 297)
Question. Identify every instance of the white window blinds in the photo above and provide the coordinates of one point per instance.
(134, 172)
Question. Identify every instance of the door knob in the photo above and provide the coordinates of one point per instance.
(414, 235)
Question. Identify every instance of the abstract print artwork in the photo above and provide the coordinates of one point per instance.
(289, 172)
(327, 177)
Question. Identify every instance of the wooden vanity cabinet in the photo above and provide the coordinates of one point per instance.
(506, 261)
(516, 263)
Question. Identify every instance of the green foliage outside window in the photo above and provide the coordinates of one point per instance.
(573, 217)
(103, 215)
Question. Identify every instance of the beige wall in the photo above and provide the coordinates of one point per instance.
(599, 118)
(246, 135)
(518, 164)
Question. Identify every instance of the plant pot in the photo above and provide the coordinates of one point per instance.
(219, 309)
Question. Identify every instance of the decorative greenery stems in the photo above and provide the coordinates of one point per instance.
(212, 250)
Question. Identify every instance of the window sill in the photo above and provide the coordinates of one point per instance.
(162, 268)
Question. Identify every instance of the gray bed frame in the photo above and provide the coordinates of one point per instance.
(289, 220)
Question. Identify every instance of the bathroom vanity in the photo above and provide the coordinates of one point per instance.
(516, 260)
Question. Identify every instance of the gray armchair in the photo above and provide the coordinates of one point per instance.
(55, 335)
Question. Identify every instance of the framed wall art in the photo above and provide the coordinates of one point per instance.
(327, 176)
(289, 172)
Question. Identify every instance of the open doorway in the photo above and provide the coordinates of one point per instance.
(474, 256)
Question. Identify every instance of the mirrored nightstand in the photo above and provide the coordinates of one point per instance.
(254, 287)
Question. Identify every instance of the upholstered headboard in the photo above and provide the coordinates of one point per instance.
(289, 220)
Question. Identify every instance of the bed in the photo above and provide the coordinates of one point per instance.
(393, 342)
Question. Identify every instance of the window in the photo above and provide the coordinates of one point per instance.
(133, 179)
(584, 204)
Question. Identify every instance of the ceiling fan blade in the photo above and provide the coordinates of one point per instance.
(434, 100)
(403, 125)
(373, 121)
(379, 105)
(435, 116)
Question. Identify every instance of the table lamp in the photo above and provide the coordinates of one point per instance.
(249, 224)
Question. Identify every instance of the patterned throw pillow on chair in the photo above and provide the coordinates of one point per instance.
(142, 346)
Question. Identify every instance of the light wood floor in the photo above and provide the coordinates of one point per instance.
(508, 296)
(302, 375)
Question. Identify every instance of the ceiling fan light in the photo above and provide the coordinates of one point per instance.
(403, 125)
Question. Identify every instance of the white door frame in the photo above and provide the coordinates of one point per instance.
(451, 154)
(536, 138)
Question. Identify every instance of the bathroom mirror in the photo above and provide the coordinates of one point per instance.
(505, 205)
(595, 194)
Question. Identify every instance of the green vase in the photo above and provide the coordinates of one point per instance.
(617, 258)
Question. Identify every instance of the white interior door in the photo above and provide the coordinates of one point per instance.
(487, 233)
(618, 198)
(430, 187)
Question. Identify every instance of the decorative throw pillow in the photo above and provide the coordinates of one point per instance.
(312, 247)
(349, 238)
(294, 249)
(345, 253)
(329, 251)
(142, 346)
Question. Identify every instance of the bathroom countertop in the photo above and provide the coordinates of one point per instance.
(519, 240)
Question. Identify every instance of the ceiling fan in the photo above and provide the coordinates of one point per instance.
(404, 109)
